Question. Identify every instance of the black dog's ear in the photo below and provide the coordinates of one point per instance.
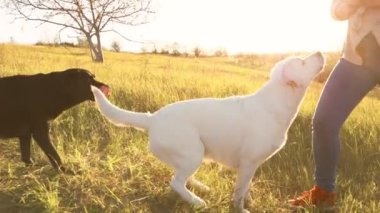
(92, 75)
(68, 81)
(80, 70)
(71, 70)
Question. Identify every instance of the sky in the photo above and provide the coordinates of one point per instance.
(238, 26)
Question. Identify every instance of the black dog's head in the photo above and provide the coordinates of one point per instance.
(77, 84)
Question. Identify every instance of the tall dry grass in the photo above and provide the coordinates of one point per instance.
(117, 173)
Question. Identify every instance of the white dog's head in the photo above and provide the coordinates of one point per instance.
(297, 72)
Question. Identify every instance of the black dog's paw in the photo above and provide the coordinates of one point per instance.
(66, 171)
(28, 162)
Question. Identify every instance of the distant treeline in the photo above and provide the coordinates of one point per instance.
(254, 60)
(60, 44)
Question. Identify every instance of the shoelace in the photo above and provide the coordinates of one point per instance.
(306, 196)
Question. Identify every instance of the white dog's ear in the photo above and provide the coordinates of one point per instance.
(288, 77)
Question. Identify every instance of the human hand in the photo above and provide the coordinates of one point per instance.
(342, 10)
(353, 3)
(368, 3)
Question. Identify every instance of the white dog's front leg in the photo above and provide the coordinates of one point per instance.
(244, 177)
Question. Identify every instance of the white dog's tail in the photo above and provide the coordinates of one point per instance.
(118, 116)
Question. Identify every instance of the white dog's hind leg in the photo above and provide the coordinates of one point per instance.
(182, 150)
(178, 184)
(197, 184)
(184, 169)
(186, 162)
(241, 193)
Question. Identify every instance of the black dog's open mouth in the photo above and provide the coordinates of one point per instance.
(105, 90)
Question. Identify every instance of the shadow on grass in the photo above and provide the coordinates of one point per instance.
(171, 202)
(168, 202)
(10, 203)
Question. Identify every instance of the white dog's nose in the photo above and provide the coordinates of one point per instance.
(315, 55)
(318, 54)
(316, 60)
(320, 59)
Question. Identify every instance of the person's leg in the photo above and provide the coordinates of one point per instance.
(345, 88)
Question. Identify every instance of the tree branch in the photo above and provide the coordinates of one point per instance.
(90, 17)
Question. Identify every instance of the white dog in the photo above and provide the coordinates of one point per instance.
(240, 132)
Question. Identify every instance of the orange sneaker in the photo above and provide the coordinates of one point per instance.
(316, 196)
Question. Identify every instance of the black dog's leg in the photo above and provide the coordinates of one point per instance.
(25, 141)
(41, 136)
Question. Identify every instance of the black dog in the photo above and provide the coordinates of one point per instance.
(28, 102)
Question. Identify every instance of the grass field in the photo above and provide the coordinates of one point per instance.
(117, 173)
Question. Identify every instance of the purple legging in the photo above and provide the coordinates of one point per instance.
(345, 88)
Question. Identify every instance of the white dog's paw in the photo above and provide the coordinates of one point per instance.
(199, 185)
(204, 188)
(248, 198)
(198, 202)
(239, 206)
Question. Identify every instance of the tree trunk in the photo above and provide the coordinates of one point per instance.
(99, 57)
(96, 49)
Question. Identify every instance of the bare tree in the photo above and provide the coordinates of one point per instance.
(88, 17)
(116, 47)
(197, 52)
